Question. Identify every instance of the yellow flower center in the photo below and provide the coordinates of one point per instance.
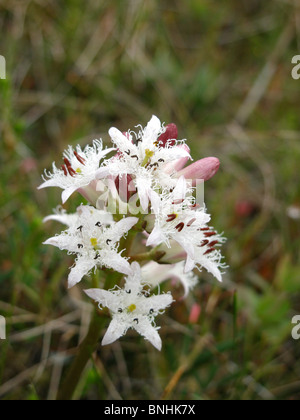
(148, 155)
(94, 242)
(131, 308)
(78, 170)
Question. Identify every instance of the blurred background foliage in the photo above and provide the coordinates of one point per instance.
(221, 70)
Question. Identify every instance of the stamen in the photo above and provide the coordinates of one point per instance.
(98, 224)
(80, 228)
(136, 320)
(108, 241)
(127, 152)
(135, 156)
(97, 256)
(171, 217)
(71, 171)
(209, 251)
(213, 243)
(80, 246)
(120, 311)
(67, 162)
(161, 160)
(204, 243)
(191, 222)
(79, 158)
(209, 234)
(65, 170)
(128, 291)
(180, 226)
(151, 311)
(204, 229)
(180, 201)
(69, 167)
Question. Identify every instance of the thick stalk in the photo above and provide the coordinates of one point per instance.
(88, 345)
(85, 351)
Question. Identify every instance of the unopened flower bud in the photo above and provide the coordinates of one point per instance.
(171, 133)
(203, 169)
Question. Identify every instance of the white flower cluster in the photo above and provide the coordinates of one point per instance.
(176, 229)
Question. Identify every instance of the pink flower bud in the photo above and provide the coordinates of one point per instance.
(28, 165)
(245, 208)
(171, 133)
(195, 313)
(90, 192)
(124, 187)
(203, 169)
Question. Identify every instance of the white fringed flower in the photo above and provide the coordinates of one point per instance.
(78, 171)
(132, 308)
(60, 215)
(145, 159)
(180, 219)
(93, 241)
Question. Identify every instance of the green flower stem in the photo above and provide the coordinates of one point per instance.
(85, 351)
(153, 255)
(88, 345)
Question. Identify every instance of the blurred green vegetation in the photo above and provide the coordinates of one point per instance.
(221, 70)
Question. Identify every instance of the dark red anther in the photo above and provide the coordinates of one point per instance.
(67, 162)
(209, 251)
(203, 243)
(71, 171)
(180, 226)
(65, 170)
(171, 217)
(79, 158)
(191, 222)
(209, 234)
(169, 136)
(180, 201)
(195, 206)
(213, 243)
(204, 229)
(69, 167)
